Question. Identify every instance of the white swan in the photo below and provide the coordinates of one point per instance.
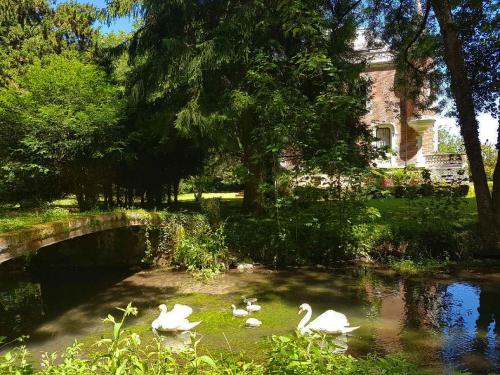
(253, 308)
(252, 322)
(238, 312)
(328, 322)
(173, 321)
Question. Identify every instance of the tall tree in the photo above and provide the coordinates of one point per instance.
(458, 37)
(31, 29)
(262, 75)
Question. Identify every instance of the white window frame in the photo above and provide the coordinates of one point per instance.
(394, 147)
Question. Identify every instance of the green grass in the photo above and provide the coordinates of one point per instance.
(396, 209)
(472, 192)
(225, 196)
(13, 218)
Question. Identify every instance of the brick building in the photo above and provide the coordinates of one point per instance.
(409, 134)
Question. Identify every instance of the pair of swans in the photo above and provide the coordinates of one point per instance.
(250, 308)
(174, 320)
(330, 322)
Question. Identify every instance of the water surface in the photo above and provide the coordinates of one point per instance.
(443, 321)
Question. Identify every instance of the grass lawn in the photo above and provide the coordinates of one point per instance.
(394, 209)
(225, 196)
(12, 218)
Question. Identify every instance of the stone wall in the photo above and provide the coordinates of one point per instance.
(23, 242)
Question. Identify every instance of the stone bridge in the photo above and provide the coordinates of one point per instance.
(24, 242)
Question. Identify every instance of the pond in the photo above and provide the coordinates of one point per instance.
(443, 321)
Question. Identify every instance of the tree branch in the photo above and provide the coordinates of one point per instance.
(417, 35)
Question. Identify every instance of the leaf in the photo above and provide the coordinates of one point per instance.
(116, 330)
(206, 359)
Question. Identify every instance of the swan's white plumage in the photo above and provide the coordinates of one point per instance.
(182, 310)
(253, 308)
(174, 320)
(329, 322)
(252, 322)
(238, 312)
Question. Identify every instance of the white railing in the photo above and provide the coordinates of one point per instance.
(444, 160)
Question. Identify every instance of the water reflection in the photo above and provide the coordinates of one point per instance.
(459, 320)
(436, 322)
(176, 341)
(444, 322)
(464, 339)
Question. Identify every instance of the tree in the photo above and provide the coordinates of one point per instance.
(463, 93)
(457, 38)
(59, 124)
(258, 77)
(31, 29)
(490, 159)
(449, 142)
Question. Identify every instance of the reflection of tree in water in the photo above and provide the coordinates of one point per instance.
(370, 291)
(488, 327)
(19, 305)
(470, 333)
(424, 301)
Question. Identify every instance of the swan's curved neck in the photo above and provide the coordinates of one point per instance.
(305, 319)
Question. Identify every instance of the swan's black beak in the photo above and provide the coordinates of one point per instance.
(300, 311)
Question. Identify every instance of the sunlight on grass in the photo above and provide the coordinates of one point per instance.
(226, 196)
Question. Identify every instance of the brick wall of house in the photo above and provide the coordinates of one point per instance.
(385, 108)
(384, 105)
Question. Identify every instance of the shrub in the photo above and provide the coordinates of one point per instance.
(320, 233)
(187, 241)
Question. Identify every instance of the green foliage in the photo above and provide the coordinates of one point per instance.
(316, 355)
(254, 77)
(190, 242)
(450, 142)
(312, 224)
(125, 353)
(490, 159)
(59, 127)
(221, 172)
(32, 29)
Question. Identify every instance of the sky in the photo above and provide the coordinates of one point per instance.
(487, 124)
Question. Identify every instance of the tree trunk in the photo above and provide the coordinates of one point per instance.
(252, 202)
(177, 182)
(496, 184)
(462, 93)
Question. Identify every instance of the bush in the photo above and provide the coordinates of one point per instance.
(321, 233)
(187, 241)
(410, 183)
(125, 353)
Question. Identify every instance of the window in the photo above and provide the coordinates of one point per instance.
(383, 138)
